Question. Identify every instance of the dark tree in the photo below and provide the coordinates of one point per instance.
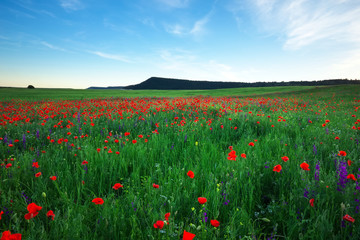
(31, 87)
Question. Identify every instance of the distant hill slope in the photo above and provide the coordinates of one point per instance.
(158, 83)
(180, 84)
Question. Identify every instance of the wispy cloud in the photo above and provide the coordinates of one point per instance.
(175, 3)
(188, 65)
(118, 27)
(71, 5)
(198, 28)
(304, 22)
(148, 22)
(48, 45)
(26, 5)
(20, 13)
(3, 37)
(176, 29)
(111, 56)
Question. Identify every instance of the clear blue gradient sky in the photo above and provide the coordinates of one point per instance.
(83, 43)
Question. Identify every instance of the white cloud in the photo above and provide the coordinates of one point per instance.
(19, 13)
(148, 22)
(199, 26)
(176, 29)
(71, 5)
(46, 44)
(185, 64)
(197, 30)
(26, 5)
(303, 22)
(175, 3)
(111, 56)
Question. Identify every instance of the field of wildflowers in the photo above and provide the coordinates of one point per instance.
(274, 167)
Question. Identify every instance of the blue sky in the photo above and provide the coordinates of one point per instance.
(82, 43)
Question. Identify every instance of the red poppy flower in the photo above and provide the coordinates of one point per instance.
(285, 158)
(159, 224)
(32, 208)
(349, 162)
(351, 176)
(6, 235)
(84, 162)
(134, 141)
(50, 214)
(117, 186)
(8, 165)
(53, 178)
(277, 168)
(348, 218)
(251, 144)
(232, 155)
(337, 138)
(342, 153)
(38, 174)
(305, 166)
(33, 211)
(10, 145)
(311, 201)
(191, 174)
(243, 155)
(155, 185)
(127, 134)
(98, 201)
(215, 223)
(167, 215)
(202, 200)
(35, 165)
(188, 235)
(1, 213)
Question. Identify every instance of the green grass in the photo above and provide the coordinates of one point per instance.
(180, 134)
(41, 93)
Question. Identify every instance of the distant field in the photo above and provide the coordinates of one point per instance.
(38, 94)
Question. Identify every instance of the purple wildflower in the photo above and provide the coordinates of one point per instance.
(306, 193)
(205, 218)
(24, 141)
(342, 174)
(314, 149)
(317, 171)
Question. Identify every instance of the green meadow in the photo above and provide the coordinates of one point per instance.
(78, 94)
(249, 163)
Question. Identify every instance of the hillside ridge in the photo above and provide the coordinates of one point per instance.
(160, 83)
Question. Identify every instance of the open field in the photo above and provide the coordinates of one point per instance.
(41, 93)
(253, 163)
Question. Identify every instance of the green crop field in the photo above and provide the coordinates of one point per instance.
(250, 163)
